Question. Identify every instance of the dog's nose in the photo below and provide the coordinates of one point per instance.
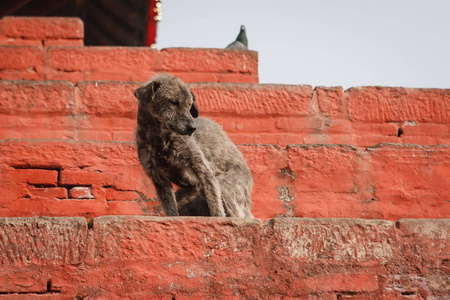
(190, 129)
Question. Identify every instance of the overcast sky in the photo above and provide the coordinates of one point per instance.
(323, 43)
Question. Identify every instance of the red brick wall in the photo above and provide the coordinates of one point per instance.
(94, 178)
(249, 113)
(51, 49)
(67, 150)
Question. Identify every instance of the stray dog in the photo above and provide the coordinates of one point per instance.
(175, 146)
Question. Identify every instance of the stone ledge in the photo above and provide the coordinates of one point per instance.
(135, 257)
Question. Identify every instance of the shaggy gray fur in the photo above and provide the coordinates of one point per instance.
(174, 146)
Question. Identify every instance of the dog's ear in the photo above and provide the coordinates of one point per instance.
(194, 109)
(146, 93)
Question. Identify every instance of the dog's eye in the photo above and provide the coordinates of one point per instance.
(174, 102)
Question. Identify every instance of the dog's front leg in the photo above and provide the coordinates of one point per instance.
(209, 185)
(166, 197)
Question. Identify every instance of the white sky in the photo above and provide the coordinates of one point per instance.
(323, 43)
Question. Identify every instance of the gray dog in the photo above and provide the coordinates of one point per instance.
(175, 146)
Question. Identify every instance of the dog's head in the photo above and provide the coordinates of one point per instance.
(171, 101)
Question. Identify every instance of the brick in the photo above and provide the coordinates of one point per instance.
(427, 130)
(81, 192)
(194, 77)
(323, 167)
(139, 208)
(40, 241)
(64, 42)
(378, 104)
(48, 97)
(32, 176)
(331, 101)
(95, 135)
(26, 62)
(194, 239)
(37, 126)
(296, 124)
(119, 62)
(208, 60)
(67, 154)
(21, 283)
(237, 78)
(329, 204)
(254, 100)
(49, 192)
(85, 177)
(386, 129)
(333, 241)
(426, 242)
(361, 282)
(108, 99)
(43, 27)
(411, 178)
(266, 163)
(118, 195)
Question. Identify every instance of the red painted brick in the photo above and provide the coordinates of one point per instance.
(40, 241)
(64, 42)
(426, 130)
(21, 63)
(378, 104)
(49, 192)
(36, 126)
(323, 168)
(119, 62)
(42, 27)
(85, 177)
(426, 243)
(238, 77)
(333, 241)
(21, 283)
(32, 176)
(138, 208)
(346, 282)
(254, 100)
(370, 129)
(265, 163)
(297, 124)
(48, 97)
(331, 101)
(410, 180)
(118, 195)
(108, 99)
(208, 60)
(196, 242)
(67, 154)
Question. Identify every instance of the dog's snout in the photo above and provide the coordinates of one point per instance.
(190, 129)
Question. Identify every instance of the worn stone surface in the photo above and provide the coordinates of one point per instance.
(42, 240)
(224, 258)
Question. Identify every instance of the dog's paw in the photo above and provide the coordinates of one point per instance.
(220, 214)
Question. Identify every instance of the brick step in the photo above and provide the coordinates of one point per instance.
(52, 49)
(249, 113)
(80, 178)
(206, 258)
